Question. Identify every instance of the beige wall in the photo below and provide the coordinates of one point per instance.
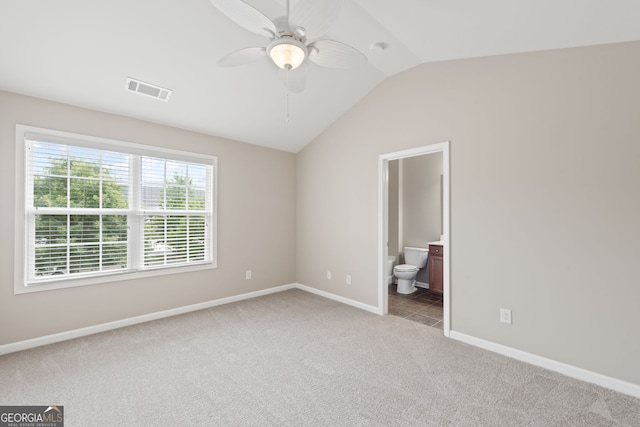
(545, 208)
(422, 202)
(256, 199)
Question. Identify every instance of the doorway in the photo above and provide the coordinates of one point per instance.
(383, 221)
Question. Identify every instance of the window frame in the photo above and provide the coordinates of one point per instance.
(21, 259)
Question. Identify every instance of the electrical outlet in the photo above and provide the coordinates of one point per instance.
(248, 274)
(329, 275)
(348, 280)
(505, 315)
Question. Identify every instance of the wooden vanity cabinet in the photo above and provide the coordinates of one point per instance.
(435, 268)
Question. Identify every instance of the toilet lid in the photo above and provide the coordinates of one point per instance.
(405, 267)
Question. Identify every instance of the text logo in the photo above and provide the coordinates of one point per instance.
(32, 416)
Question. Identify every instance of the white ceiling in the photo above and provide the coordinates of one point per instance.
(80, 52)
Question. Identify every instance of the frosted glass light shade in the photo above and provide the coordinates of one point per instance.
(287, 53)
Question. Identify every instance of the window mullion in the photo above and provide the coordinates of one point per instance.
(100, 217)
(135, 221)
(187, 220)
(68, 241)
(210, 208)
(165, 237)
(186, 190)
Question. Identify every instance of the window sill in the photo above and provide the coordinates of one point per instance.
(107, 278)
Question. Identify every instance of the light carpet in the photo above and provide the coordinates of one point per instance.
(297, 359)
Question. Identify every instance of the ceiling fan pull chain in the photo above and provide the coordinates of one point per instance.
(287, 89)
(287, 106)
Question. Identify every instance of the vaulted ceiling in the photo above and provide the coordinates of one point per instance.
(81, 52)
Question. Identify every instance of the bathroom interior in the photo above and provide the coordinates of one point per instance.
(414, 270)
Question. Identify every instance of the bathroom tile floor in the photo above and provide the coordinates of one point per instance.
(422, 306)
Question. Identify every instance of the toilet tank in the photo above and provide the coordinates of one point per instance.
(415, 256)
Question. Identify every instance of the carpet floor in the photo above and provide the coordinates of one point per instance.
(296, 359)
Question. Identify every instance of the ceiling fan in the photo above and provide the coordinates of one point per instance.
(294, 38)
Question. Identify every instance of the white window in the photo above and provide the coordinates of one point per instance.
(91, 210)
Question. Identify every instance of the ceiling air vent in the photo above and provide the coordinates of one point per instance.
(147, 89)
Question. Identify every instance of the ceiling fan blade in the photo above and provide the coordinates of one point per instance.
(246, 16)
(313, 16)
(333, 54)
(242, 57)
(295, 80)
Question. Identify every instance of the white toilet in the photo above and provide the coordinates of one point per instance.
(415, 259)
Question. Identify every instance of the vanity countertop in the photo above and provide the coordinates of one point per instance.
(438, 242)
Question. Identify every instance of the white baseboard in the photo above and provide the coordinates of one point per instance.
(552, 365)
(90, 330)
(338, 298)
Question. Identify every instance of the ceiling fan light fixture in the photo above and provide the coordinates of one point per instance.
(287, 53)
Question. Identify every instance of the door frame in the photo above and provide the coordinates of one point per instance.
(383, 224)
